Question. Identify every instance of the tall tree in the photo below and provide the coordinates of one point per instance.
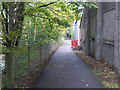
(53, 16)
(12, 22)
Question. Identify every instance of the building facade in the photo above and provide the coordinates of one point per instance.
(100, 33)
(76, 35)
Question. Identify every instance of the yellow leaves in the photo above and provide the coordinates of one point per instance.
(22, 87)
(112, 72)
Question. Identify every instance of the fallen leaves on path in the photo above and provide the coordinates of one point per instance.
(106, 73)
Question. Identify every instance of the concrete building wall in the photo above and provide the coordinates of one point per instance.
(84, 38)
(99, 33)
(108, 32)
(117, 37)
(77, 31)
(88, 31)
(92, 30)
(99, 30)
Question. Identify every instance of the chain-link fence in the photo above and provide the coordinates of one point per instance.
(29, 57)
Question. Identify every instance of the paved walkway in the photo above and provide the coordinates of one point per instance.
(67, 70)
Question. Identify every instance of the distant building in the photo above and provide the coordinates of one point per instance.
(76, 31)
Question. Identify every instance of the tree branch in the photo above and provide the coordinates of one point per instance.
(38, 16)
(53, 10)
(48, 4)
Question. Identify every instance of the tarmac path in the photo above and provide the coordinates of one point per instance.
(67, 70)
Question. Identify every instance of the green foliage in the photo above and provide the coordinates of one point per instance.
(43, 24)
(35, 26)
(78, 7)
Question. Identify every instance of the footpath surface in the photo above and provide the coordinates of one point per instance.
(66, 70)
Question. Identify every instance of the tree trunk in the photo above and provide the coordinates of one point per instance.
(13, 16)
(29, 62)
(9, 62)
(40, 53)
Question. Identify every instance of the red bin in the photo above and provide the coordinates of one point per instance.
(74, 43)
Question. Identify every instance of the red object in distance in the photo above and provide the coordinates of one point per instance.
(74, 43)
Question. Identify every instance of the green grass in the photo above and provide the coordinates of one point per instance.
(111, 85)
